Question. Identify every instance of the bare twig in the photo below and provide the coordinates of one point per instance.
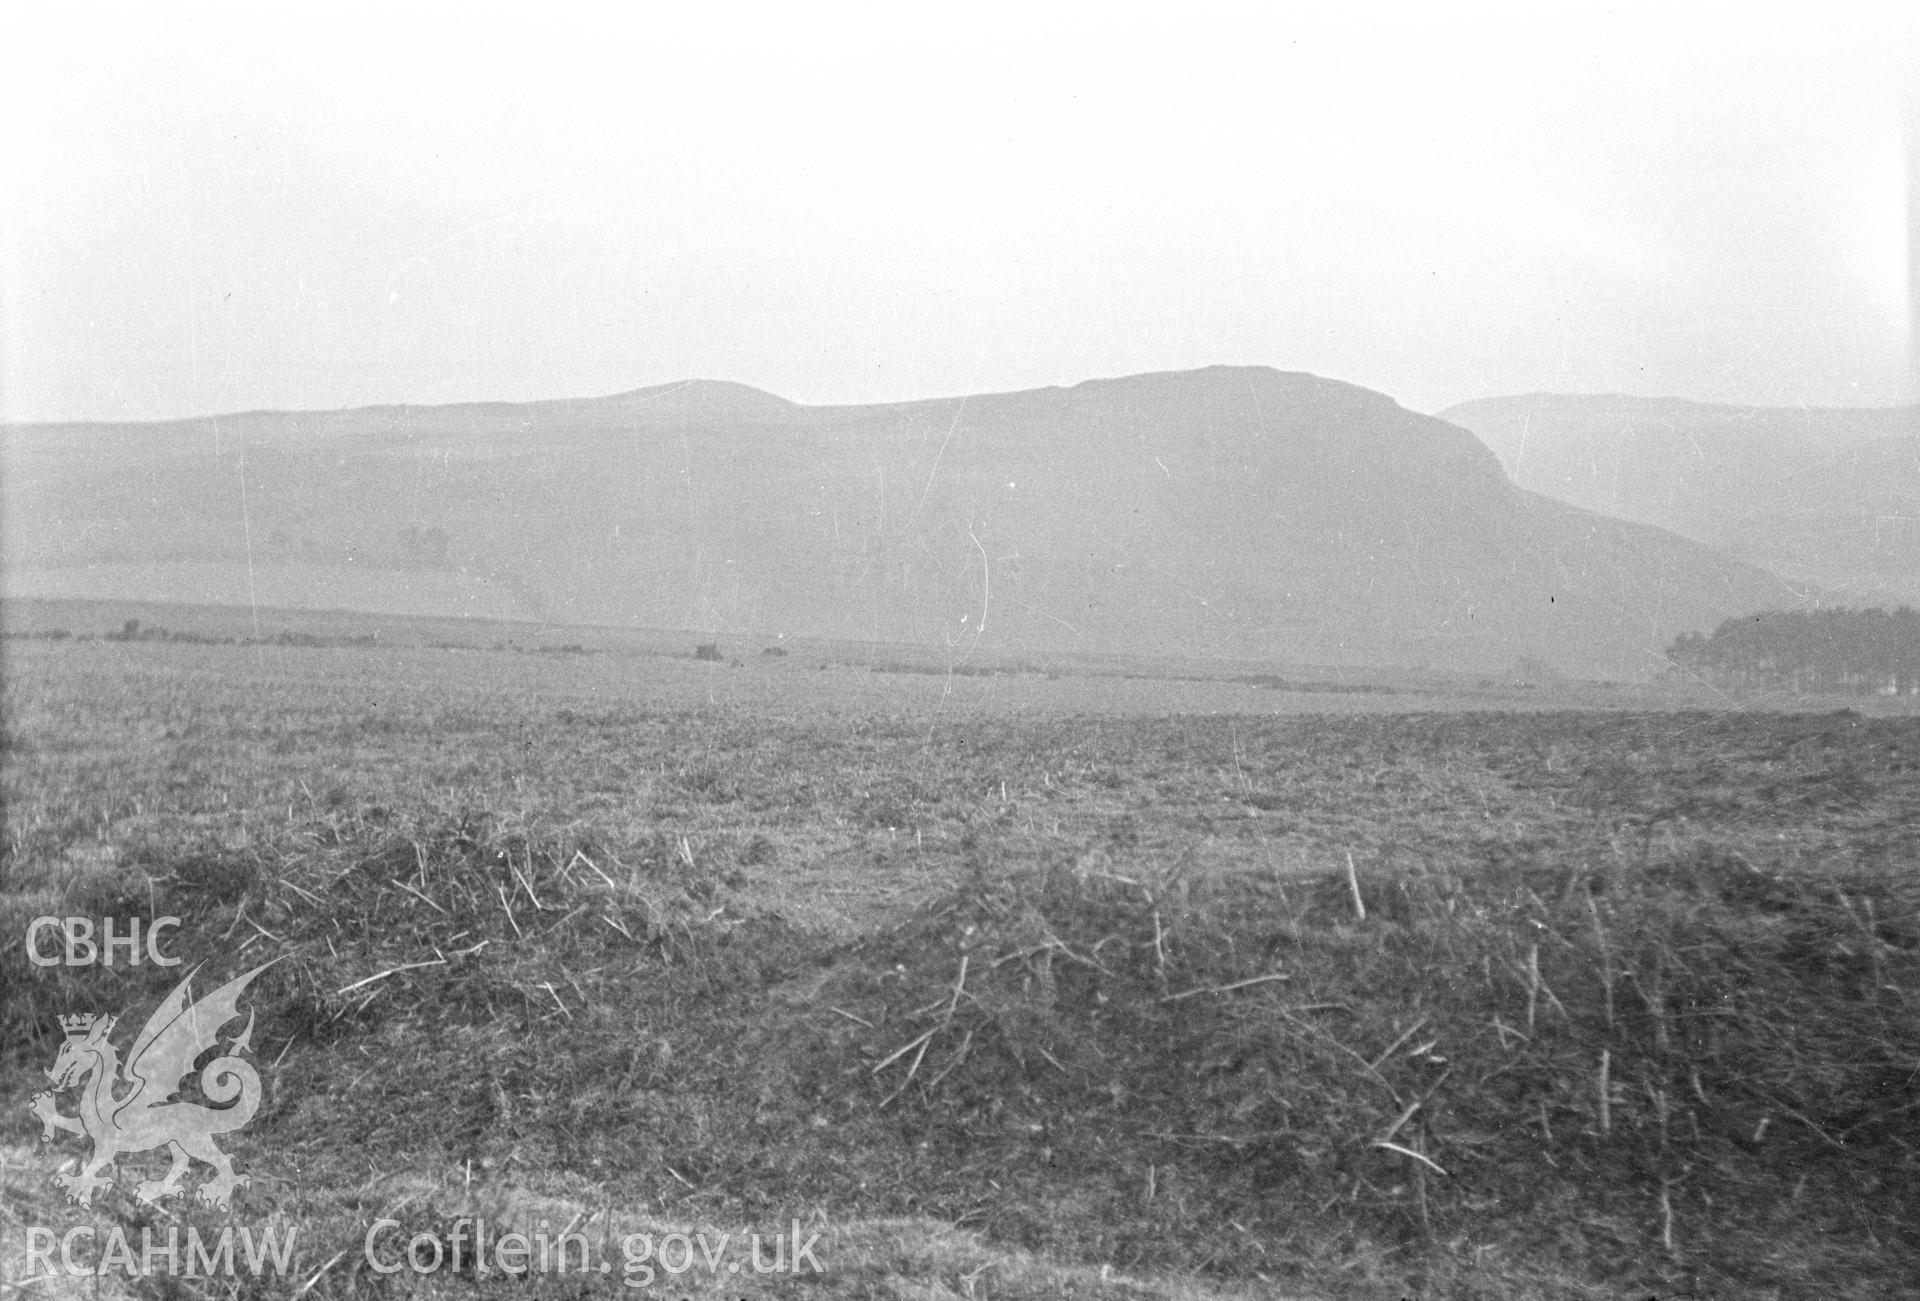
(966, 1043)
(898, 1053)
(596, 869)
(1407, 1151)
(1504, 1030)
(525, 884)
(564, 920)
(1825, 1137)
(423, 899)
(391, 971)
(1405, 1116)
(1405, 1035)
(308, 895)
(1536, 986)
(307, 1286)
(1606, 955)
(1666, 1218)
(1365, 1065)
(1415, 1105)
(912, 1070)
(1606, 1093)
(1159, 949)
(1058, 945)
(958, 985)
(1221, 989)
(1353, 883)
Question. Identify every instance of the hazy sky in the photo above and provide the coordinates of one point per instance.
(229, 208)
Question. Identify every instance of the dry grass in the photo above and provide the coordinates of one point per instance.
(1022, 1007)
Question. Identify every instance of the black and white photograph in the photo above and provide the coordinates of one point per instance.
(1216, 652)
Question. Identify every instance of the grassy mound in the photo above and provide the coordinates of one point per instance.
(540, 1023)
(1693, 1075)
(1700, 1076)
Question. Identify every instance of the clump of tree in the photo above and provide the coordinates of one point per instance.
(1866, 651)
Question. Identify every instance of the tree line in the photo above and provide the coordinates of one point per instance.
(1865, 651)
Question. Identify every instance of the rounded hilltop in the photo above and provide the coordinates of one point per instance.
(704, 396)
(1290, 385)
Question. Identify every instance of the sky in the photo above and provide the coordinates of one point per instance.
(208, 209)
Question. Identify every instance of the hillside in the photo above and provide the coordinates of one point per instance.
(1237, 512)
(1825, 496)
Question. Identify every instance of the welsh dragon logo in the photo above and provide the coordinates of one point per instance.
(143, 1117)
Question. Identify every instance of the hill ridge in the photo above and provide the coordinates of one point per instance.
(1222, 512)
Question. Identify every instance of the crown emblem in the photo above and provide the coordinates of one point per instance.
(80, 1024)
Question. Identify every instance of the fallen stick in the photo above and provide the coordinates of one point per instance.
(1222, 989)
(391, 971)
(1407, 1151)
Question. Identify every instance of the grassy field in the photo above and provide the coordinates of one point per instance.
(1013, 985)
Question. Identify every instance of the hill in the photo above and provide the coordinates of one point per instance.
(1226, 512)
(1824, 496)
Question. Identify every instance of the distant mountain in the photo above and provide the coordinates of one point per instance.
(1824, 496)
(1239, 512)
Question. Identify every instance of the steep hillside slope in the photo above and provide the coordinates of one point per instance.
(1825, 496)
